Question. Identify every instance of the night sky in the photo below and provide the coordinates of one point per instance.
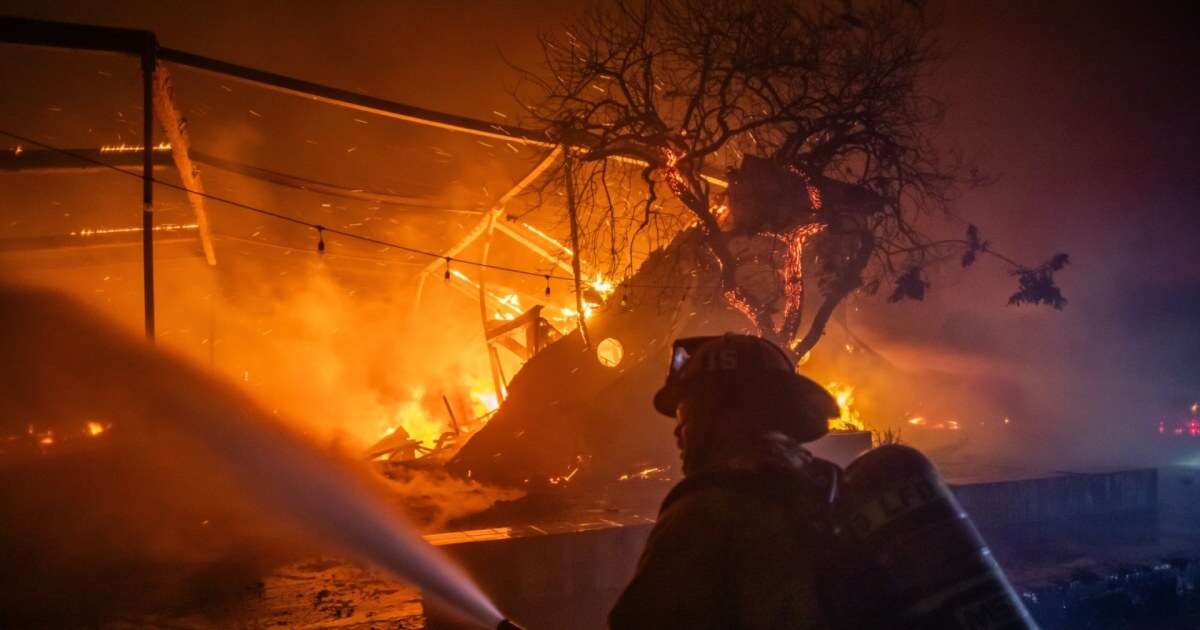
(1085, 113)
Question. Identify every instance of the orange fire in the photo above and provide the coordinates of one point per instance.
(849, 419)
(424, 421)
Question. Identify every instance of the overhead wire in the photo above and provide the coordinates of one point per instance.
(322, 229)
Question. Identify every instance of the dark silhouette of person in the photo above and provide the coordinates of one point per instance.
(738, 542)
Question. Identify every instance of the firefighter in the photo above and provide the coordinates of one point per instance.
(738, 541)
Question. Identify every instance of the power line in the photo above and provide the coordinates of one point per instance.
(320, 228)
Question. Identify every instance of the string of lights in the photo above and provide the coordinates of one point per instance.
(321, 229)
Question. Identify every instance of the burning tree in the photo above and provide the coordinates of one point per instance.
(794, 139)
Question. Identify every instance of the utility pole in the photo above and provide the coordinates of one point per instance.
(149, 62)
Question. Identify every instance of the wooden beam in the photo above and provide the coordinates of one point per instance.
(173, 125)
(487, 220)
(533, 247)
(507, 326)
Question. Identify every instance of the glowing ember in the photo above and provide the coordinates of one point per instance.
(645, 473)
(95, 428)
(723, 216)
(165, 227)
(791, 273)
(674, 178)
(130, 148)
(567, 477)
(733, 298)
(814, 193)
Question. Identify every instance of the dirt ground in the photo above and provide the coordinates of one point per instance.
(317, 593)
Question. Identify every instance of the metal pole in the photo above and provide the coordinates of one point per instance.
(572, 212)
(148, 64)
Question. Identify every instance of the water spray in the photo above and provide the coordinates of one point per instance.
(118, 376)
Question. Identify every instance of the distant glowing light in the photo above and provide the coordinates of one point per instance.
(95, 428)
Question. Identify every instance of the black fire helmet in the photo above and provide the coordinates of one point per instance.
(759, 371)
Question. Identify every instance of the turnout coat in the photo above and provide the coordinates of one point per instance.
(737, 546)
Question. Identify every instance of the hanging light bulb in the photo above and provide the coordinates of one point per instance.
(447, 274)
(547, 284)
(320, 239)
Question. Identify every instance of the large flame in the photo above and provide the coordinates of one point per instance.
(425, 420)
(849, 419)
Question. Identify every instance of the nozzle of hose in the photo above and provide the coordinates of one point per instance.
(505, 624)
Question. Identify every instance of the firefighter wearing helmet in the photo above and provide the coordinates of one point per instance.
(760, 534)
(734, 546)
